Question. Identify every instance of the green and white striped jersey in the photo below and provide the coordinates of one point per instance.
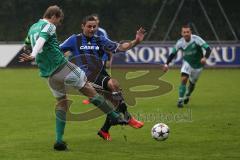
(192, 50)
(50, 57)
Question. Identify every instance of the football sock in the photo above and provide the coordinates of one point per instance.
(107, 124)
(105, 106)
(123, 109)
(60, 124)
(190, 89)
(182, 90)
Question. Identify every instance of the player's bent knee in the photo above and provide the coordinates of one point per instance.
(88, 90)
(184, 79)
(113, 84)
(63, 105)
(61, 98)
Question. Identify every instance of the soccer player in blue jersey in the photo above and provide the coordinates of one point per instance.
(194, 59)
(87, 43)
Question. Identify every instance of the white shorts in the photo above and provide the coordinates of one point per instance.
(69, 76)
(192, 72)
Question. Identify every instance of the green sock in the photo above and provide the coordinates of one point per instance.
(190, 89)
(60, 124)
(182, 90)
(104, 105)
(114, 114)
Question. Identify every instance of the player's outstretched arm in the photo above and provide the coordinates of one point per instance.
(138, 39)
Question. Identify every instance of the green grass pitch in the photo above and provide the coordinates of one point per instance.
(208, 128)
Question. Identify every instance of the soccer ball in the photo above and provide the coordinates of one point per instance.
(160, 131)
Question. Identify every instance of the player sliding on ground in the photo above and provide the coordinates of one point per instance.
(60, 72)
(193, 61)
(88, 47)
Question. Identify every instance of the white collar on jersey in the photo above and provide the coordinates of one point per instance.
(46, 21)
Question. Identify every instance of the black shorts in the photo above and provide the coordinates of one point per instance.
(103, 79)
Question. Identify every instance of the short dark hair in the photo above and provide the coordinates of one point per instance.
(88, 18)
(187, 25)
(53, 11)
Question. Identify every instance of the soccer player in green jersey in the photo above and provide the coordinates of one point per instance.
(194, 59)
(60, 72)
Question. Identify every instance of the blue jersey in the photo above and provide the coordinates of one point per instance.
(101, 32)
(87, 52)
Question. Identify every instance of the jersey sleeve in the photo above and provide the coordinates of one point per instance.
(108, 45)
(176, 47)
(47, 31)
(199, 41)
(68, 44)
(101, 32)
(104, 33)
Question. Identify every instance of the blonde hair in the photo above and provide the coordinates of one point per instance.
(53, 11)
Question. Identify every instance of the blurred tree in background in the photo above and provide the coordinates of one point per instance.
(121, 18)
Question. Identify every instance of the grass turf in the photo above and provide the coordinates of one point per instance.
(208, 128)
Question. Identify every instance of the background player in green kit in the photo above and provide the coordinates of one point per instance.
(60, 72)
(193, 61)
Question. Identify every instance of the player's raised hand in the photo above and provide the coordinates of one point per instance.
(203, 60)
(26, 58)
(140, 35)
